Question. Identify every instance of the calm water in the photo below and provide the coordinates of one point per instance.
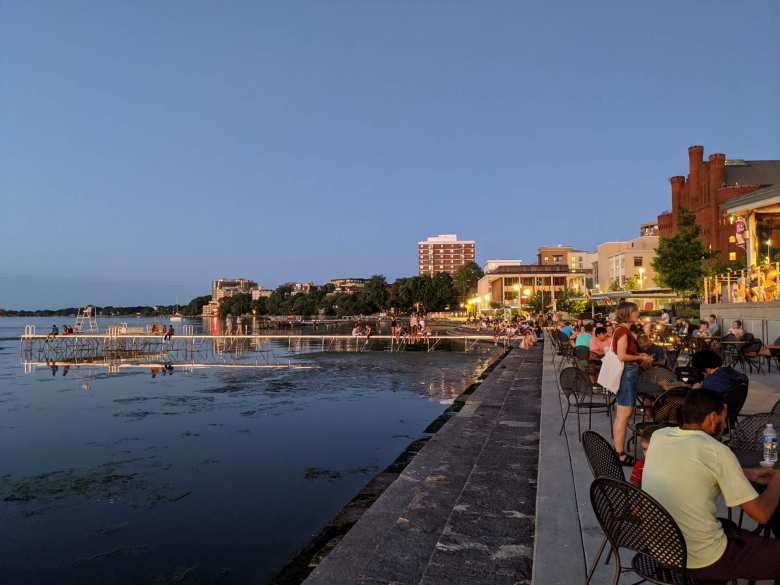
(213, 476)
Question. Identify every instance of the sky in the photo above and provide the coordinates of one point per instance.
(149, 147)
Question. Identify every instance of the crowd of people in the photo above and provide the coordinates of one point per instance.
(686, 466)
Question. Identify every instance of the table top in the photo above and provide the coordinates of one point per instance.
(750, 458)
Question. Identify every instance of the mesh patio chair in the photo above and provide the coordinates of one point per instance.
(746, 434)
(665, 411)
(634, 521)
(582, 357)
(582, 397)
(650, 380)
(604, 462)
(601, 456)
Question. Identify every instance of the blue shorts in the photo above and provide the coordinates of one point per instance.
(626, 394)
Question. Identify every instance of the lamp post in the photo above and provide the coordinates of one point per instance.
(642, 278)
(768, 251)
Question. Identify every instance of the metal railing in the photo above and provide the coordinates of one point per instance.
(758, 284)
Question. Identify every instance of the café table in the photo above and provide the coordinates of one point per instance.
(751, 457)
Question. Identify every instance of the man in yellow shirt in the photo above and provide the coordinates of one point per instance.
(687, 468)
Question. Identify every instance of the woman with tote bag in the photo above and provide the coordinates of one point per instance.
(625, 346)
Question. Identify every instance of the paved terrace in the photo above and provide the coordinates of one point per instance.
(567, 533)
(463, 510)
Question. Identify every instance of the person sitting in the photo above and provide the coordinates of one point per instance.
(644, 441)
(736, 330)
(356, 330)
(712, 322)
(169, 333)
(686, 470)
(717, 377)
(647, 346)
(53, 333)
(703, 330)
(567, 330)
(599, 342)
(583, 339)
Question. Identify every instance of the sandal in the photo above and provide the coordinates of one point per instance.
(626, 459)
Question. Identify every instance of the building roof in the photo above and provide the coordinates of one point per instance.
(752, 172)
(766, 196)
(561, 269)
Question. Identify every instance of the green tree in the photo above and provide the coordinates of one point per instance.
(465, 279)
(195, 307)
(235, 305)
(260, 306)
(680, 261)
(632, 283)
(442, 294)
(375, 292)
(615, 285)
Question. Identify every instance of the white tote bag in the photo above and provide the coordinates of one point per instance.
(611, 371)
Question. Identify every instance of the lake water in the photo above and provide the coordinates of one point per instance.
(203, 476)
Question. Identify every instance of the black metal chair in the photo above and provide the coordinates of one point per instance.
(601, 456)
(650, 380)
(604, 462)
(581, 396)
(633, 520)
(735, 400)
(582, 356)
(665, 411)
(746, 434)
(776, 408)
(750, 355)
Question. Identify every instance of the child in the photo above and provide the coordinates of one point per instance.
(644, 442)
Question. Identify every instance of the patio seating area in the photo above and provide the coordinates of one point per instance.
(569, 539)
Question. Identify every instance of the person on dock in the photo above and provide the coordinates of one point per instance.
(53, 333)
(229, 324)
(239, 330)
(395, 328)
(168, 334)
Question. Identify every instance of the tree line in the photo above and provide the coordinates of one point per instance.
(438, 293)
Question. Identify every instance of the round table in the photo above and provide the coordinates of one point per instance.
(751, 457)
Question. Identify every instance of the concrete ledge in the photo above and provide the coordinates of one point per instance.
(463, 510)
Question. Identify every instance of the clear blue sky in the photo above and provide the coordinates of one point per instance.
(147, 147)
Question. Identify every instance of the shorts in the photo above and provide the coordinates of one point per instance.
(626, 394)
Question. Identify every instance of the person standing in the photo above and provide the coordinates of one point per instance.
(625, 346)
(229, 324)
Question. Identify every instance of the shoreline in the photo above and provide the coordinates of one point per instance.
(301, 565)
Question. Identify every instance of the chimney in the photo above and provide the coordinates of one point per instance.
(678, 185)
(695, 161)
(717, 172)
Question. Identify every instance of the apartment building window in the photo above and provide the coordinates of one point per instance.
(732, 239)
(557, 259)
(637, 261)
(732, 256)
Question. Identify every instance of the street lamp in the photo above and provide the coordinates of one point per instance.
(768, 251)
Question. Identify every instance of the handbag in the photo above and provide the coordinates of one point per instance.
(611, 371)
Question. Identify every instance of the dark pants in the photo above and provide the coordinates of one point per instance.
(747, 556)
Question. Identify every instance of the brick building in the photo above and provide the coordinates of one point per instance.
(710, 184)
(444, 253)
